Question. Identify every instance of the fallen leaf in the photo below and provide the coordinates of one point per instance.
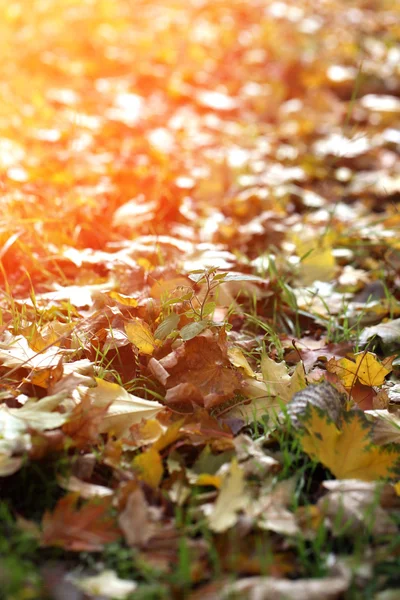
(15, 352)
(353, 506)
(268, 396)
(83, 488)
(386, 426)
(239, 361)
(79, 528)
(323, 396)
(123, 299)
(347, 452)
(9, 464)
(279, 382)
(311, 351)
(317, 260)
(257, 588)
(363, 396)
(85, 422)
(106, 584)
(149, 467)
(231, 499)
(388, 334)
(140, 335)
(252, 459)
(124, 409)
(38, 415)
(47, 378)
(366, 368)
(198, 371)
(138, 520)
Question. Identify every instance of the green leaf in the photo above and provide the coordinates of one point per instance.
(192, 329)
(167, 326)
(178, 299)
(191, 314)
(209, 308)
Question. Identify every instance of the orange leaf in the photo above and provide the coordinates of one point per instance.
(85, 422)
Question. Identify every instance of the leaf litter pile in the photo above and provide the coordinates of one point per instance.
(200, 305)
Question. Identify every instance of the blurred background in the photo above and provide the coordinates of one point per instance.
(206, 120)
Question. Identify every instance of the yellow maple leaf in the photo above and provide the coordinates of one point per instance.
(140, 335)
(366, 368)
(348, 452)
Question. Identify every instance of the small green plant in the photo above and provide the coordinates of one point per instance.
(199, 306)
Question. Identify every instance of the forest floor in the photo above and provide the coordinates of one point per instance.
(200, 299)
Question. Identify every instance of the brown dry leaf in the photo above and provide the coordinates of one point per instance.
(263, 588)
(85, 422)
(253, 459)
(271, 508)
(388, 334)
(170, 436)
(83, 488)
(85, 528)
(353, 506)
(17, 426)
(363, 396)
(386, 426)
(323, 396)
(49, 335)
(198, 371)
(138, 520)
(310, 351)
(146, 433)
(278, 519)
(162, 288)
(47, 378)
